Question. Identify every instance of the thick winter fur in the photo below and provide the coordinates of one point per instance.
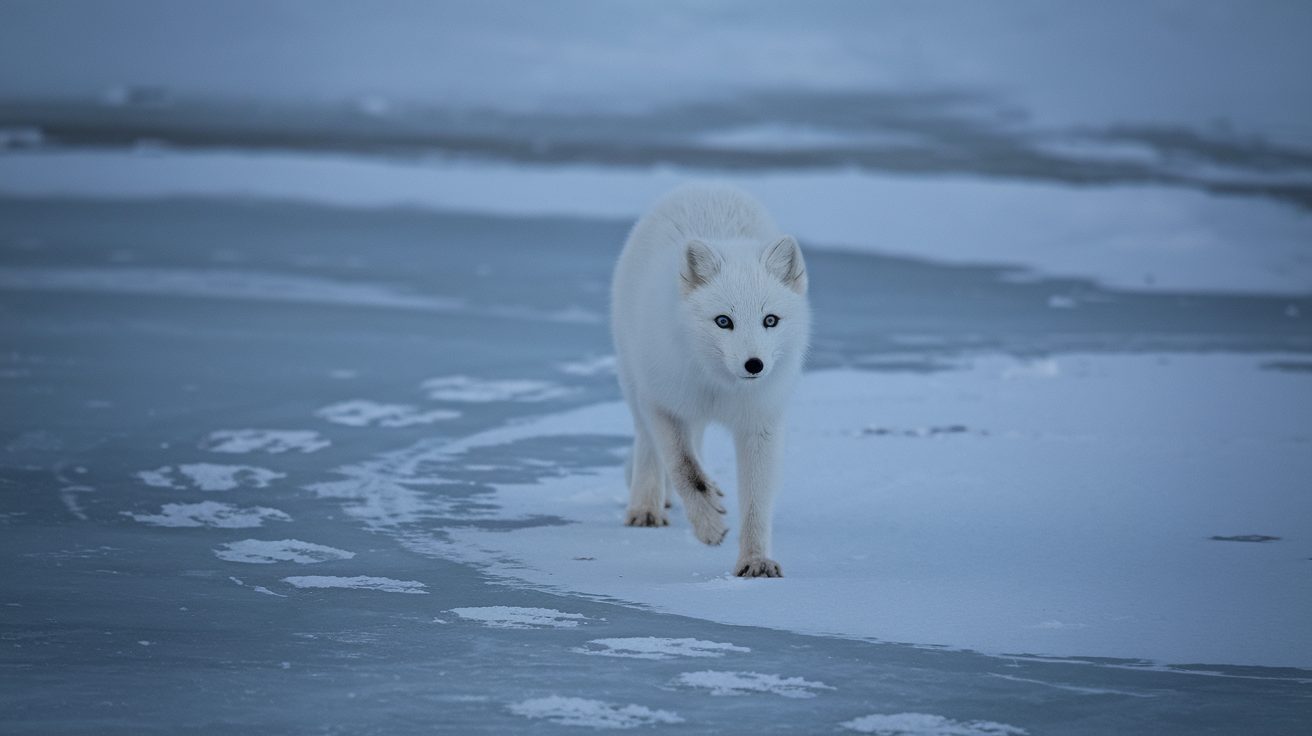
(705, 251)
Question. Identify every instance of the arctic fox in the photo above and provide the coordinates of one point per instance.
(711, 324)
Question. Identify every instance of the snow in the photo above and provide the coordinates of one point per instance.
(515, 617)
(1139, 236)
(477, 390)
(210, 513)
(271, 441)
(900, 536)
(263, 552)
(655, 647)
(358, 582)
(925, 724)
(591, 713)
(744, 683)
(158, 478)
(365, 413)
(209, 476)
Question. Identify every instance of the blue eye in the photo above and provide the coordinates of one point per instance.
(724, 322)
(770, 320)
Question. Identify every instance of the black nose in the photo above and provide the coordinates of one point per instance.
(754, 366)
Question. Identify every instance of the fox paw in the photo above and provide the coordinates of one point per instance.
(708, 523)
(757, 567)
(645, 517)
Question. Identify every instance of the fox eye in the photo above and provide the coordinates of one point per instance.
(770, 320)
(724, 322)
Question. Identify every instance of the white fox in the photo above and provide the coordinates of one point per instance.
(711, 324)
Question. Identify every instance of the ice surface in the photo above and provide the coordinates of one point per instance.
(743, 683)
(591, 713)
(209, 476)
(1139, 236)
(261, 552)
(357, 582)
(271, 441)
(654, 647)
(210, 513)
(364, 413)
(924, 724)
(516, 617)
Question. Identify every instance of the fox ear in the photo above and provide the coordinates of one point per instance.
(784, 260)
(700, 264)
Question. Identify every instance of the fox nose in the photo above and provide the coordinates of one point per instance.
(754, 366)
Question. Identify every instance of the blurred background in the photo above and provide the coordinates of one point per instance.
(1061, 261)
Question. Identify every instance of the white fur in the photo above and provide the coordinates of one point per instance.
(704, 251)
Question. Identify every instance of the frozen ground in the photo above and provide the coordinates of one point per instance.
(308, 421)
(238, 510)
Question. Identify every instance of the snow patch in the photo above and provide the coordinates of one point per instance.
(741, 683)
(158, 478)
(272, 441)
(257, 588)
(358, 582)
(209, 476)
(475, 390)
(364, 413)
(1172, 465)
(260, 551)
(513, 617)
(592, 713)
(925, 724)
(210, 513)
(652, 647)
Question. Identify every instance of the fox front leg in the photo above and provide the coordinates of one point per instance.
(701, 497)
(758, 452)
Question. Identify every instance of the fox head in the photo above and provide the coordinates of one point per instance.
(745, 306)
